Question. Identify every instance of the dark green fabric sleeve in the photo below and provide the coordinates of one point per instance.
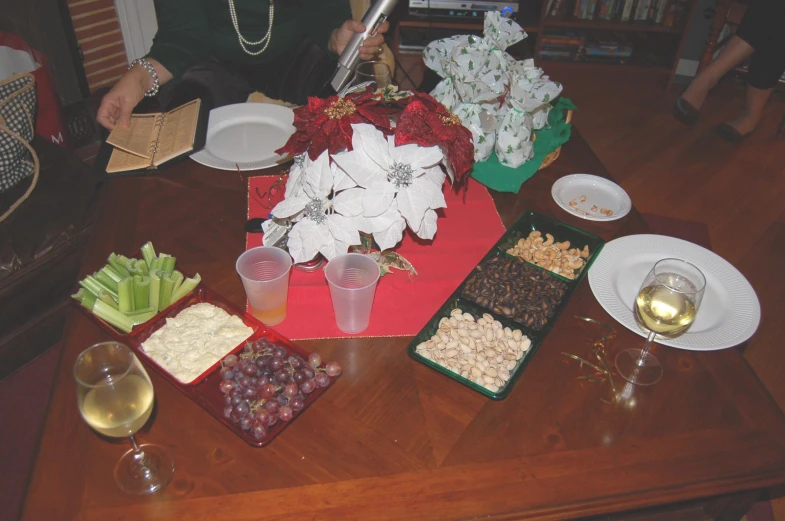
(322, 17)
(183, 36)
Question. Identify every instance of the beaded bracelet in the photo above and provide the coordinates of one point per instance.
(152, 91)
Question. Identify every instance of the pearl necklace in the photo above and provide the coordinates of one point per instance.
(243, 41)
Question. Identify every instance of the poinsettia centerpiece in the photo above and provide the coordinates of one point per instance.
(368, 164)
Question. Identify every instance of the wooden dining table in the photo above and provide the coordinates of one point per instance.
(393, 439)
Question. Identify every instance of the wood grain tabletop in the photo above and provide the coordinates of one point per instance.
(393, 439)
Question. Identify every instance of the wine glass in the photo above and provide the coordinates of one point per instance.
(666, 305)
(375, 73)
(115, 397)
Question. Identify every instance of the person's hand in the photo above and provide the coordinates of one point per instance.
(371, 47)
(118, 103)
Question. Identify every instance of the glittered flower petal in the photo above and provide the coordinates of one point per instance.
(377, 199)
(289, 207)
(428, 226)
(343, 229)
(388, 238)
(349, 202)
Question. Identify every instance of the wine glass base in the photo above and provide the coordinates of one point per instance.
(646, 371)
(145, 472)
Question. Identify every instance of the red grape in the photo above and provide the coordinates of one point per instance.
(226, 373)
(259, 430)
(299, 377)
(290, 390)
(308, 386)
(230, 361)
(262, 415)
(333, 369)
(228, 411)
(322, 380)
(271, 406)
(285, 413)
(225, 386)
(246, 423)
(250, 369)
(275, 363)
(267, 391)
(314, 360)
(296, 403)
(242, 408)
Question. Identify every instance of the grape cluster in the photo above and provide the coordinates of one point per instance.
(265, 383)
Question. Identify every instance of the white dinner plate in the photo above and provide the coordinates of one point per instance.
(728, 315)
(246, 135)
(587, 195)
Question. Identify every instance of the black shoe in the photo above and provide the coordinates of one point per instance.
(684, 112)
(729, 133)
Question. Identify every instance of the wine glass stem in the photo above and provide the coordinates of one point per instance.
(645, 350)
(140, 464)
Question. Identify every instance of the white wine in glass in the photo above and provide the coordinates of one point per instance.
(115, 397)
(666, 305)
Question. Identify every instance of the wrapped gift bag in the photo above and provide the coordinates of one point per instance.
(18, 160)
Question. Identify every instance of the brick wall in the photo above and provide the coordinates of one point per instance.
(98, 33)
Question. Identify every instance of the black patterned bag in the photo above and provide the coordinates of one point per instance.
(18, 160)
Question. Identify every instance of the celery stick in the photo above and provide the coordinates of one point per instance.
(139, 311)
(141, 292)
(177, 277)
(118, 265)
(112, 273)
(141, 267)
(154, 264)
(112, 316)
(165, 293)
(95, 286)
(104, 279)
(107, 299)
(141, 318)
(167, 264)
(155, 288)
(130, 265)
(186, 287)
(125, 293)
(148, 252)
(85, 298)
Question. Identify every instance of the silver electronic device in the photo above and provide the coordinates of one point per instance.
(461, 8)
(350, 57)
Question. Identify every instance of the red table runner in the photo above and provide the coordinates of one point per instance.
(467, 229)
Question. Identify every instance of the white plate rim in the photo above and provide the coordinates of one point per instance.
(625, 201)
(745, 314)
(245, 111)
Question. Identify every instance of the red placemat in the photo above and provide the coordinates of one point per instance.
(467, 229)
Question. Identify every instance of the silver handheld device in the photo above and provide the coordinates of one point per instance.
(350, 57)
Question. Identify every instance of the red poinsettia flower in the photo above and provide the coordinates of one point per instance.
(326, 124)
(427, 122)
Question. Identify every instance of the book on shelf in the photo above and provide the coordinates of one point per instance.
(153, 140)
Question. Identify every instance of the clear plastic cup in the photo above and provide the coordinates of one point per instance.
(352, 279)
(265, 274)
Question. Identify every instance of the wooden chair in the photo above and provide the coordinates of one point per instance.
(729, 14)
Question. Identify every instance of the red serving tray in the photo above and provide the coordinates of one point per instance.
(204, 389)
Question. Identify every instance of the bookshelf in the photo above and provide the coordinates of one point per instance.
(596, 44)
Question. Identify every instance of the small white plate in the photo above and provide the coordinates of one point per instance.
(246, 135)
(588, 196)
(728, 315)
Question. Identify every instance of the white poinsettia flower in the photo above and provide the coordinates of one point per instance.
(389, 173)
(319, 229)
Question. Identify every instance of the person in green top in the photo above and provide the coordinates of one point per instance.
(222, 50)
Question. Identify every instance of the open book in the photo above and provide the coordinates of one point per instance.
(153, 139)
